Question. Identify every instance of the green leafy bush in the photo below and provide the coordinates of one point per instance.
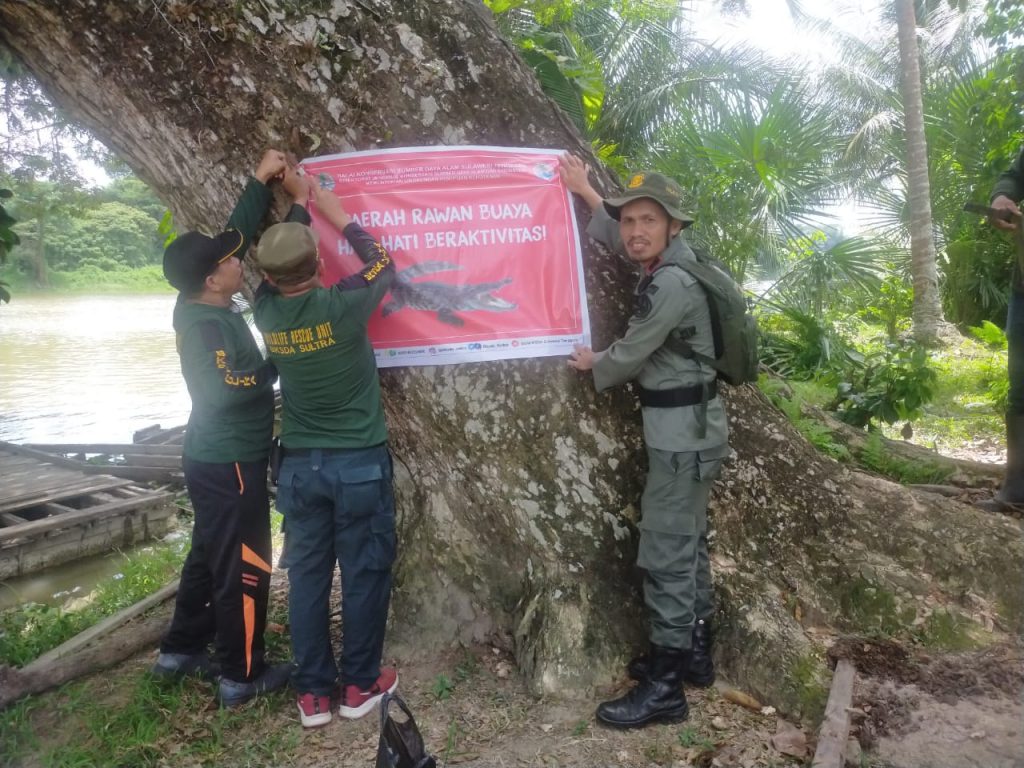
(891, 384)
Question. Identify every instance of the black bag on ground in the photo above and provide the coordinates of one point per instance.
(400, 745)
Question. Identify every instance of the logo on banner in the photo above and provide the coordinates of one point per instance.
(544, 171)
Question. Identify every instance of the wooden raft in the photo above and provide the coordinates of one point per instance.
(51, 511)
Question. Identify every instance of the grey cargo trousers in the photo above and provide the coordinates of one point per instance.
(674, 542)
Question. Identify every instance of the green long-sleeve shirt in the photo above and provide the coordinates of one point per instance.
(229, 382)
(317, 339)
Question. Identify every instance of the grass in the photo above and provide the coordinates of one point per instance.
(156, 721)
(30, 630)
(148, 279)
(966, 410)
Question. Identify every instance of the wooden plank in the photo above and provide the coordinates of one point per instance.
(145, 633)
(79, 516)
(49, 458)
(9, 519)
(835, 729)
(35, 497)
(127, 529)
(156, 435)
(118, 449)
(172, 460)
(104, 627)
(53, 508)
(135, 474)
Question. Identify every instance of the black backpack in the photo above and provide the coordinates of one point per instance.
(733, 327)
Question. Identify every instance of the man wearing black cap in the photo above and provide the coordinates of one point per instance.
(685, 431)
(225, 581)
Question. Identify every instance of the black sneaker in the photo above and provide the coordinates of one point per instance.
(231, 693)
(174, 666)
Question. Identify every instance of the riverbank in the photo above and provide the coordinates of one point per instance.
(88, 280)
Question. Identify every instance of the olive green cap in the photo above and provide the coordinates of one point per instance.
(286, 247)
(656, 186)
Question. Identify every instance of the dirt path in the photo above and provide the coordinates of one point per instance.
(919, 710)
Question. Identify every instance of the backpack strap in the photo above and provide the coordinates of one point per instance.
(677, 341)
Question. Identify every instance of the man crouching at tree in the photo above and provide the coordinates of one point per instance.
(225, 581)
(334, 487)
(685, 431)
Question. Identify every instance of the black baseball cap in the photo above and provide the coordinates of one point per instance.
(193, 256)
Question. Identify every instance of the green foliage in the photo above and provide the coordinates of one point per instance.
(818, 272)
(806, 680)
(891, 306)
(32, 629)
(946, 631)
(109, 236)
(66, 228)
(442, 687)
(8, 239)
(791, 404)
(766, 158)
(992, 373)
(166, 228)
(691, 737)
(990, 334)
(798, 345)
(875, 457)
(94, 280)
(872, 608)
(891, 384)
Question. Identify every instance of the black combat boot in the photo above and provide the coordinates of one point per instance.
(1012, 491)
(658, 698)
(700, 669)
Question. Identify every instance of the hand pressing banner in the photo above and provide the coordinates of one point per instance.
(486, 246)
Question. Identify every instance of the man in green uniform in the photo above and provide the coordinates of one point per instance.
(225, 581)
(334, 487)
(685, 431)
(1006, 195)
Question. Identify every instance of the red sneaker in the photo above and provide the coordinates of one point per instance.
(314, 710)
(357, 702)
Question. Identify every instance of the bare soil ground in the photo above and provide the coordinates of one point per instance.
(911, 710)
(915, 709)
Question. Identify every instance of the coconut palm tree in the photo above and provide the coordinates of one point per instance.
(927, 308)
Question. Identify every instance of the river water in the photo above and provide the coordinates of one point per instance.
(78, 369)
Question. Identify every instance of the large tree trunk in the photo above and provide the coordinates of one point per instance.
(927, 307)
(517, 485)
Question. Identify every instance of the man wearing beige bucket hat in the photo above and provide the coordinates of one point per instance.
(685, 432)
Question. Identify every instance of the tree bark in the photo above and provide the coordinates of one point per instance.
(927, 306)
(517, 485)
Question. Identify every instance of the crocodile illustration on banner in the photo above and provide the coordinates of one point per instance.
(443, 298)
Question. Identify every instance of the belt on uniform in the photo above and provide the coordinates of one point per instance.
(678, 397)
(305, 453)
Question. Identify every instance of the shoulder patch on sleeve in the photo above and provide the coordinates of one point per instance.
(643, 305)
(211, 334)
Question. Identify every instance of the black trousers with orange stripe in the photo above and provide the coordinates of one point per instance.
(225, 582)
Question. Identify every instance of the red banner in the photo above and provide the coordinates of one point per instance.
(485, 243)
